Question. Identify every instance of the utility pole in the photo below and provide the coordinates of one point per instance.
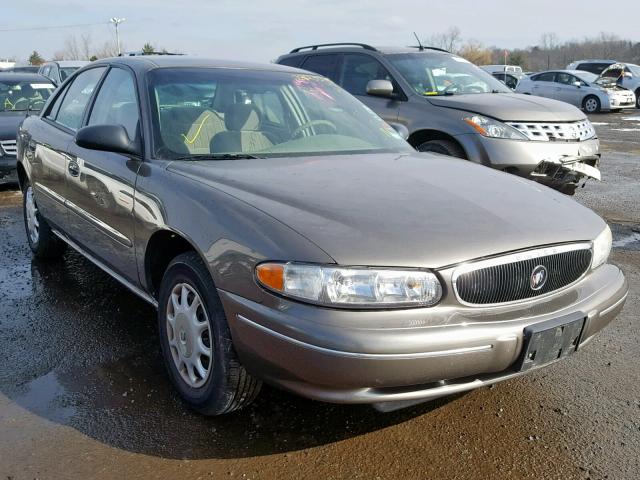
(117, 21)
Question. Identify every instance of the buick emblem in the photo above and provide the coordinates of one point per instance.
(538, 277)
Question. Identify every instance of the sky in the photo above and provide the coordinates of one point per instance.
(262, 30)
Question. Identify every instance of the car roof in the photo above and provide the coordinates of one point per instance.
(71, 63)
(23, 77)
(594, 60)
(150, 62)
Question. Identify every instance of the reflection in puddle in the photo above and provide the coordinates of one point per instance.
(46, 397)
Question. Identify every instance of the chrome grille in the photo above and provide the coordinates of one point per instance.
(556, 132)
(508, 278)
(9, 147)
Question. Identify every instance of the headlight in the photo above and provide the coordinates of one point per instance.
(601, 248)
(355, 287)
(493, 128)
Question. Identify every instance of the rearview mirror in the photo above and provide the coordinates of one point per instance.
(108, 138)
(380, 88)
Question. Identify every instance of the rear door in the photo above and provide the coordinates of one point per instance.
(543, 85)
(357, 70)
(49, 143)
(101, 184)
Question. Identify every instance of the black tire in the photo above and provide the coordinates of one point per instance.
(568, 189)
(443, 147)
(46, 246)
(638, 98)
(591, 104)
(228, 387)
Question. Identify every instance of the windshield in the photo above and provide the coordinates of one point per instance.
(66, 71)
(20, 96)
(431, 73)
(209, 111)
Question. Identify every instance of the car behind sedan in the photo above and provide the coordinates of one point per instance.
(286, 234)
(582, 89)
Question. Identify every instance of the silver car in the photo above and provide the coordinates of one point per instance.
(287, 234)
(452, 107)
(586, 90)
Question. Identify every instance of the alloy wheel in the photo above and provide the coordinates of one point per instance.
(189, 335)
(33, 224)
(591, 105)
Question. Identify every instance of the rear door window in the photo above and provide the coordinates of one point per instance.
(544, 77)
(77, 97)
(325, 65)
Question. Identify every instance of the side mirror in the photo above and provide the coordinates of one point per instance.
(401, 129)
(577, 84)
(380, 88)
(107, 138)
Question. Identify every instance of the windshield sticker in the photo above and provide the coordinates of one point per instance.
(41, 85)
(430, 92)
(313, 85)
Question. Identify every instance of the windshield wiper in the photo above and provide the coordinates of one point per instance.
(219, 156)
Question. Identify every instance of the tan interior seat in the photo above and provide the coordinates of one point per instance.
(190, 130)
(243, 134)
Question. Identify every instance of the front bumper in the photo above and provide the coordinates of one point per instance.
(523, 158)
(345, 356)
(8, 171)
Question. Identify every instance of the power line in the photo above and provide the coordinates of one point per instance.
(50, 27)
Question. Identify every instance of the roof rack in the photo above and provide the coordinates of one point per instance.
(141, 53)
(315, 47)
(423, 47)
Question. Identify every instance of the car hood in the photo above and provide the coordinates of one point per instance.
(511, 107)
(410, 210)
(9, 122)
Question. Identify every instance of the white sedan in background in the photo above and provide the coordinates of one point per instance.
(582, 89)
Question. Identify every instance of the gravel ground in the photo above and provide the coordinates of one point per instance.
(83, 393)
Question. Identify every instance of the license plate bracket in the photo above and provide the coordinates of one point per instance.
(549, 341)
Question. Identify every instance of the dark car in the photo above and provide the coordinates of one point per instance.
(59, 70)
(20, 94)
(285, 233)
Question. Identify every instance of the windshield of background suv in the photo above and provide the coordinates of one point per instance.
(20, 96)
(216, 112)
(66, 71)
(431, 73)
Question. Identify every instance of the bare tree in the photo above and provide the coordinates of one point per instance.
(475, 52)
(449, 40)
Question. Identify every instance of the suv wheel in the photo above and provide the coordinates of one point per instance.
(638, 98)
(444, 147)
(196, 342)
(42, 241)
(591, 104)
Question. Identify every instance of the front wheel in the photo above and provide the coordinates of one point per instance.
(42, 241)
(443, 147)
(591, 104)
(196, 342)
(638, 98)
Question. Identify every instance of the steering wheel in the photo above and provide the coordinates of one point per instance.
(312, 123)
(454, 87)
(21, 104)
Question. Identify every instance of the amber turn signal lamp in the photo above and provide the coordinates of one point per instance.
(271, 275)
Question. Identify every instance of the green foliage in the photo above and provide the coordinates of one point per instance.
(148, 49)
(35, 59)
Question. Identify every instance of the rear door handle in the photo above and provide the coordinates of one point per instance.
(73, 168)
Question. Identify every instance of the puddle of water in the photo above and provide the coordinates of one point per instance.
(45, 396)
(626, 237)
(635, 118)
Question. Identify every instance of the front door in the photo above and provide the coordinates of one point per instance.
(357, 70)
(101, 184)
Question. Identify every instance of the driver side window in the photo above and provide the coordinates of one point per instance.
(358, 70)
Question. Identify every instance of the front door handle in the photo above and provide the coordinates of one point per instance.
(74, 168)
